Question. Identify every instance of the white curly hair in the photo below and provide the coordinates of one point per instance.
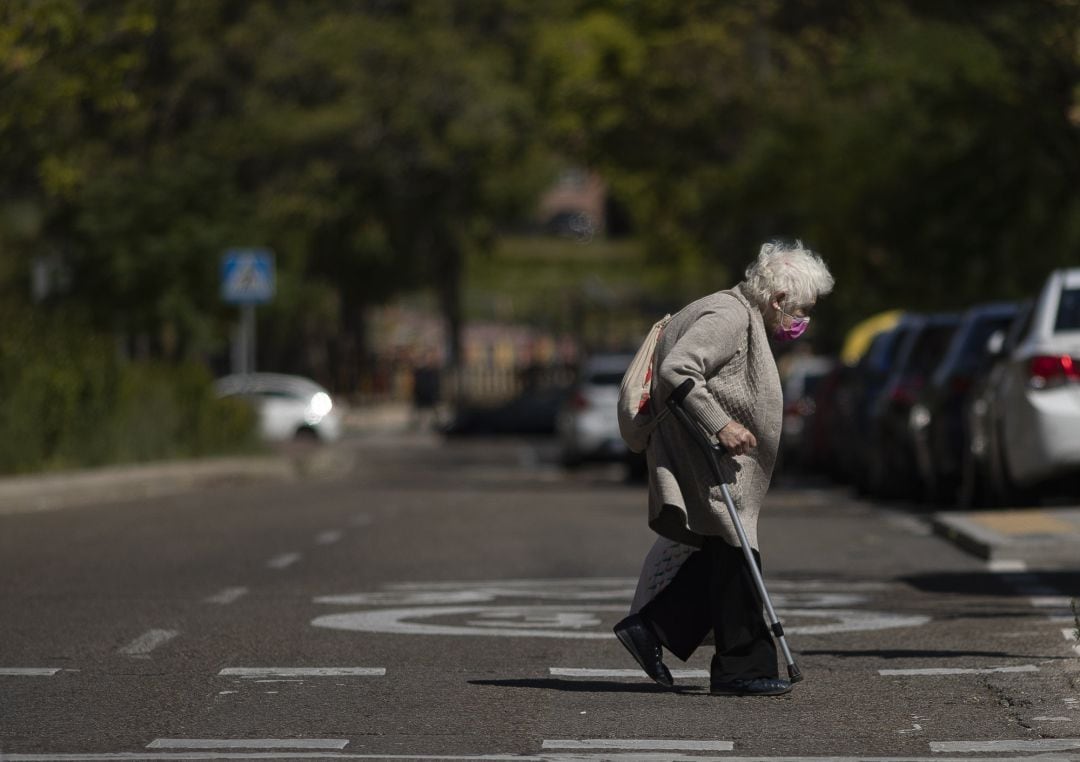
(789, 268)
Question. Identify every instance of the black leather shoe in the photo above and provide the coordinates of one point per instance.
(755, 686)
(635, 633)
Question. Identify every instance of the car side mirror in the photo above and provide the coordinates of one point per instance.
(995, 345)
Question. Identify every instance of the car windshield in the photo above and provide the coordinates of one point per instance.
(1068, 316)
(930, 348)
(974, 348)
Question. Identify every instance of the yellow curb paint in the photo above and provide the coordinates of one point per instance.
(1025, 522)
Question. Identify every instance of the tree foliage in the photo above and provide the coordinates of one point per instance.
(930, 150)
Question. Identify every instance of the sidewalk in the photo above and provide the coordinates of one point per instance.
(44, 492)
(66, 489)
(1043, 538)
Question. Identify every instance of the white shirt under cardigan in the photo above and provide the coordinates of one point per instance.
(719, 341)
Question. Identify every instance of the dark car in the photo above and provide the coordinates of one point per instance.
(982, 478)
(891, 452)
(856, 397)
(827, 440)
(938, 418)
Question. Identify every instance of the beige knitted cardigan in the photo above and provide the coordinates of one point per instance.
(720, 342)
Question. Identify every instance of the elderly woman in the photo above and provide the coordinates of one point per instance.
(722, 342)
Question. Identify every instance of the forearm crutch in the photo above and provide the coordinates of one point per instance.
(712, 452)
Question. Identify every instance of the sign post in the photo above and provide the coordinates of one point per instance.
(248, 278)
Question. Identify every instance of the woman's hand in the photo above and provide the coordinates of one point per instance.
(736, 438)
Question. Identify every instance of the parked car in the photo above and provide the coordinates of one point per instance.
(825, 443)
(980, 463)
(288, 407)
(800, 385)
(858, 396)
(937, 419)
(587, 423)
(533, 412)
(892, 470)
(1031, 415)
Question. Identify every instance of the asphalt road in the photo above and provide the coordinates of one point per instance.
(454, 600)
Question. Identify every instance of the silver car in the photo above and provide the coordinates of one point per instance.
(288, 407)
(588, 423)
(1027, 420)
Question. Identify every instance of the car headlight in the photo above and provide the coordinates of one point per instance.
(320, 405)
(919, 417)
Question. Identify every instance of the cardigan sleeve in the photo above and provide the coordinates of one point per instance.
(708, 344)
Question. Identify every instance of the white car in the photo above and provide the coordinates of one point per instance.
(588, 423)
(1036, 410)
(289, 407)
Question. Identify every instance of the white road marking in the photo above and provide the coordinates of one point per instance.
(1050, 601)
(284, 561)
(250, 673)
(1041, 744)
(195, 756)
(633, 673)
(1069, 633)
(1052, 719)
(570, 621)
(227, 595)
(28, 671)
(957, 670)
(141, 647)
(329, 537)
(658, 744)
(248, 743)
(1000, 565)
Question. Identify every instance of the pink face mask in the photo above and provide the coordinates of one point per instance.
(798, 328)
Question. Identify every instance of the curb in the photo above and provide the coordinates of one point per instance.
(37, 492)
(973, 532)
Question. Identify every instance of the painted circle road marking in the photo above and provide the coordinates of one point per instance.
(577, 608)
(569, 621)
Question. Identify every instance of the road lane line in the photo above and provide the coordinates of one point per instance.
(642, 744)
(631, 673)
(227, 595)
(141, 647)
(284, 561)
(249, 743)
(329, 537)
(1002, 565)
(28, 671)
(1040, 744)
(206, 756)
(957, 670)
(249, 673)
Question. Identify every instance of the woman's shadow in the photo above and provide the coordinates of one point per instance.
(586, 686)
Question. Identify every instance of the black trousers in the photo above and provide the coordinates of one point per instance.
(715, 590)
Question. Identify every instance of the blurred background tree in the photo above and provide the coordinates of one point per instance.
(929, 150)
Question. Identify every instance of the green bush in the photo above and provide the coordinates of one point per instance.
(68, 400)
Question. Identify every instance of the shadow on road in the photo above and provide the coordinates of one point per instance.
(1000, 584)
(579, 686)
(913, 653)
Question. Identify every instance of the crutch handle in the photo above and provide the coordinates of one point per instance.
(680, 392)
(675, 399)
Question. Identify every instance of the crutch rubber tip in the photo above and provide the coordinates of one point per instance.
(794, 674)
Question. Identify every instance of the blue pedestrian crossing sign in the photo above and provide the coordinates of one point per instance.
(247, 276)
